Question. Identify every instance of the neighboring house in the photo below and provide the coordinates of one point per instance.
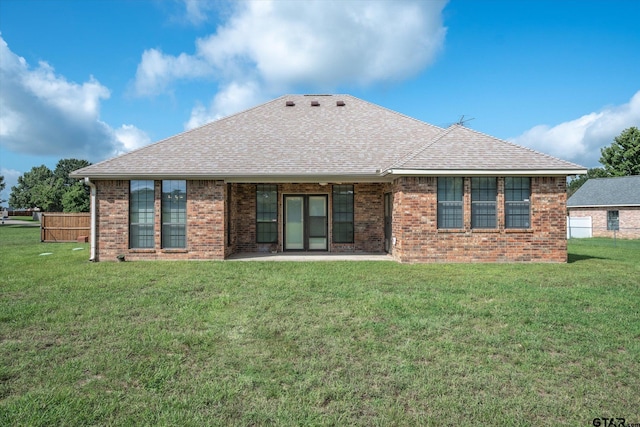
(330, 173)
(612, 203)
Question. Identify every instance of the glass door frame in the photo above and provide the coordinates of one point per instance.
(306, 222)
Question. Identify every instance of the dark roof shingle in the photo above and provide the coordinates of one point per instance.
(616, 191)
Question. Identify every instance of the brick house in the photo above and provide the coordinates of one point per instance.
(612, 203)
(330, 173)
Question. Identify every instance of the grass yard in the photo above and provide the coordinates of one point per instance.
(325, 343)
(22, 218)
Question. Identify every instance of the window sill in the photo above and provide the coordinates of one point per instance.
(174, 251)
(485, 230)
(142, 251)
(451, 230)
(518, 230)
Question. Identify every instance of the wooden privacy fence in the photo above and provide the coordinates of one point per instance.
(65, 227)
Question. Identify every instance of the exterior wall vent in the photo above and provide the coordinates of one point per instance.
(290, 104)
(315, 104)
(340, 103)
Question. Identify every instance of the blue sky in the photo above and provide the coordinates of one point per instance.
(95, 78)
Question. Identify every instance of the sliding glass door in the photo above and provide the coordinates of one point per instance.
(305, 223)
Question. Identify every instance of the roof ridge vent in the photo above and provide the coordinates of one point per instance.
(290, 104)
(315, 103)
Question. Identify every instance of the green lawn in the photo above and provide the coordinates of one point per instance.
(325, 343)
(22, 218)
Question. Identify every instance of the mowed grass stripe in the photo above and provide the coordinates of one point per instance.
(326, 343)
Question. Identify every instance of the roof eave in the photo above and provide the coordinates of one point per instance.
(243, 178)
(612, 205)
(484, 172)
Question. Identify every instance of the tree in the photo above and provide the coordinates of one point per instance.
(2, 185)
(34, 189)
(622, 158)
(74, 196)
(65, 167)
(76, 199)
(44, 189)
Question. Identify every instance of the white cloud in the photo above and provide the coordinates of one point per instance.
(580, 140)
(275, 46)
(229, 100)
(157, 70)
(197, 11)
(43, 113)
(130, 138)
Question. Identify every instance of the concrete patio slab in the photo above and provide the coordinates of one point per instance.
(309, 256)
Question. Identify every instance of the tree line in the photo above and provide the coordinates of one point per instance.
(51, 191)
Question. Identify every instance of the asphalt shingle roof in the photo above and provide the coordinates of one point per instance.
(356, 139)
(461, 148)
(617, 191)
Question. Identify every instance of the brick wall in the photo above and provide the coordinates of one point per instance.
(112, 228)
(628, 221)
(205, 219)
(231, 224)
(417, 238)
(244, 218)
(368, 217)
(205, 222)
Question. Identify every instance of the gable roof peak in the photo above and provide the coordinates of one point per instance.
(288, 137)
(420, 150)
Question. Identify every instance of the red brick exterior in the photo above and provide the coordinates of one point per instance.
(418, 239)
(368, 217)
(112, 213)
(628, 220)
(205, 223)
(221, 220)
